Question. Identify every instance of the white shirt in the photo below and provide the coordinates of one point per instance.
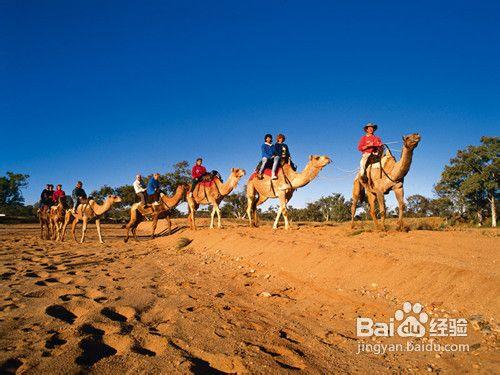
(139, 187)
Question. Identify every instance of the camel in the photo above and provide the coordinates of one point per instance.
(383, 177)
(57, 216)
(44, 218)
(138, 212)
(212, 195)
(259, 191)
(86, 212)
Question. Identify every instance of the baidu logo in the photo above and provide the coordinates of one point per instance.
(410, 321)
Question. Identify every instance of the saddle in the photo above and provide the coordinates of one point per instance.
(267, 172)
(209, 179)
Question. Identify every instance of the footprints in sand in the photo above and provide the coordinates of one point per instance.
(287, 358)
(93, 350)
(10, 366)
(203, 362)
(61, 313)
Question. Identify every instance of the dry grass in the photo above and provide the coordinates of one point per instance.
(183, 242)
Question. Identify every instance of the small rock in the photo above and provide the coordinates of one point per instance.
(265, 294)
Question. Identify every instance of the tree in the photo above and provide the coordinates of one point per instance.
(10, 189)
(441, 207)
(180, 175)
(471, 181)
(334, 208)
(235, 205)
(127, 194)
(418, 206)
(101, 194)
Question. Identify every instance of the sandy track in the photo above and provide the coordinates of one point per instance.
(239, 300)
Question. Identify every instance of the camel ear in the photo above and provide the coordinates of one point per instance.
(310, 157)
(233, 169)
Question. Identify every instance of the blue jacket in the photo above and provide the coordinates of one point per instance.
(267, 151)
(282, 150)
(153, 186)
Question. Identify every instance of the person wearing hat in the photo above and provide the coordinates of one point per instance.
(267, 154)
(197, 172)
(368, 144)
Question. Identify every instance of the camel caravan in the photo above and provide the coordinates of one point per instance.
(275, 176)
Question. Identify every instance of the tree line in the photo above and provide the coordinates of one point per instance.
(467, 191)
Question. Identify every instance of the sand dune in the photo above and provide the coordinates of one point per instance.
(239, 299)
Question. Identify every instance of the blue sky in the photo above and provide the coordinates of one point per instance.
(101, 90)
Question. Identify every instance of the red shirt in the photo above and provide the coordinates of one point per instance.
(369, 143)
(58, 194)
(198, 171)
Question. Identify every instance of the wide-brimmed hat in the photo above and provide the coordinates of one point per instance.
(375, 127)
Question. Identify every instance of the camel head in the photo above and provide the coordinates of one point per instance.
(319, 161)
(237, 173)
(411, 141)
(113, 198)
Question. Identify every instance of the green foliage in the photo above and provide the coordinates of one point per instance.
(471, 180)
(10, 189)
(333, 208)
(181, 174)
(127, 194)
(101, 194)
(235, 205)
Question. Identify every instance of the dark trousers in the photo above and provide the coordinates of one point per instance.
(155, 197)
(194, 182)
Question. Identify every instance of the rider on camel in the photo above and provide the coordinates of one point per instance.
(368, 144)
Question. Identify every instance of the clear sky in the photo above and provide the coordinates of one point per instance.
(102, 90)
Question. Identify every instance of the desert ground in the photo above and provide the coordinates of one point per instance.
(241, 300)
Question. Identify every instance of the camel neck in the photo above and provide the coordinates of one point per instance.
(301, 179)
(98, 208)
(227, 187)
(174, 199)
(402, 167)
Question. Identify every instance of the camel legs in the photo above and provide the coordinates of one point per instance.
(73, 228)
(53, 225)
(215, 210)
(169, 224)
(381, 207)
(84, 228)
(67, 218)
(154, 224)
(250, 202)
(356, 193)
(278, 215)
(284, 211)
(373, 213)
(399, 193)
(41, 229)
(59, 226)
(192, 210)
(212, 215)
(98, 226)
(219, 225)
